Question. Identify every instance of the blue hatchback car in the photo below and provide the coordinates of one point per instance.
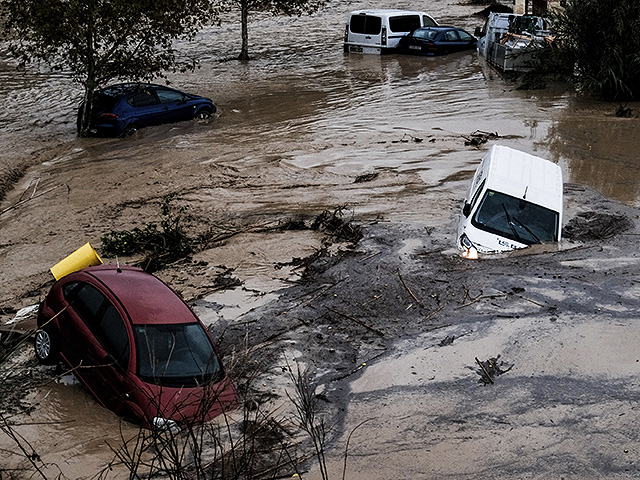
(436, 41)
(120, 110)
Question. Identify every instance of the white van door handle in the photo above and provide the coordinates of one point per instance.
(368, 37)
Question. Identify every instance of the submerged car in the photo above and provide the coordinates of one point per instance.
(135, 345)
(436, 41)
(120, 110)
(515, 200)
(378, 31)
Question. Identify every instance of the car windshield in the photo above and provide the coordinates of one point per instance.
(516, 219)
(176, 355)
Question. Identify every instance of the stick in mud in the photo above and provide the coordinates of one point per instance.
(485, 371)
(359, 322)
(409, 290)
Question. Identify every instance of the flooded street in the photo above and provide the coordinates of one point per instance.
(296, 127)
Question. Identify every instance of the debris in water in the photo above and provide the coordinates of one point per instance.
(478, 137)
(333, 223)
(490, 369)
(366, 177)
(404, 139)
(623, 112)
(448, 340)
(25, 313)
(596, 226)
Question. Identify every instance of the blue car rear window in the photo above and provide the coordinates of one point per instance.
(142, 99)
(426, 34)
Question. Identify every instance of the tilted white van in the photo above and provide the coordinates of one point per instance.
(379, 31)
(515, 200)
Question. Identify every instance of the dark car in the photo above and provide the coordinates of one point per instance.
(120, 110)
(135, 345)
(436, 41)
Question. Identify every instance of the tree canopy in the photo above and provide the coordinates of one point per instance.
(599, 42)
(97, 41)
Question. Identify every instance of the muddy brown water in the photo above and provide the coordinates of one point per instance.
(296, 125)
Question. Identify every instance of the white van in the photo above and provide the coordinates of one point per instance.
(515, 200)
(379, 31)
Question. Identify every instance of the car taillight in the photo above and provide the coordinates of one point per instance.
(346, 33)
(109, 116)
(384, 36)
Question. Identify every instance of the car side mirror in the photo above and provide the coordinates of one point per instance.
(478, 32)
(466, 210)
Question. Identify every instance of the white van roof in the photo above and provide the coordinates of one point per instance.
(386, 11)
(522, 175)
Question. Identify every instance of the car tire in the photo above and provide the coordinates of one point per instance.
(204, 114)
(129, 130)
(46, 346)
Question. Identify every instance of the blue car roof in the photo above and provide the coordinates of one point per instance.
(438, 29)
(127, 88)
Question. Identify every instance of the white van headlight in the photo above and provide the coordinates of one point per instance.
(468, 249)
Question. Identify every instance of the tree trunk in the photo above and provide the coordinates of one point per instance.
(244, 20)
(84, 115)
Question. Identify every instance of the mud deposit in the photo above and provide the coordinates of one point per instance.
(391, 329)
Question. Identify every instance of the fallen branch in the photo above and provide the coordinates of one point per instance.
(322, 292)
(479, 297)
(359, 322)
(370, 256)
(409, 290)
(17, 204)
(375, 297)
(434, 313)
(436, 327)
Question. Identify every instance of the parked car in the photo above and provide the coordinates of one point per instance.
(378, 31)
(436, 41)
(135, 345)
(515, 200)
(120, 110)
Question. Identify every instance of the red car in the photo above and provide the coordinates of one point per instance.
(135, 345)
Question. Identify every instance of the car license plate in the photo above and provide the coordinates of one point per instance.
(356, 49)
(415, 47)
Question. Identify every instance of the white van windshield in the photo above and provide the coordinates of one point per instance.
(516, 219)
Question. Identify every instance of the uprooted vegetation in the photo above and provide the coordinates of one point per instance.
(170, 241)
(160, 246)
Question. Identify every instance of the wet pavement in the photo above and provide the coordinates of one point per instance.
(296, 127)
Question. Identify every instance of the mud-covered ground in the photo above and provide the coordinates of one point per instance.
(391, 329)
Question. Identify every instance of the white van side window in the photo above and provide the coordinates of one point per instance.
(365, 24)
(404, 23)
(427, 21)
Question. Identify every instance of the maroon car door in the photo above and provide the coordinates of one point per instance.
(95, 342)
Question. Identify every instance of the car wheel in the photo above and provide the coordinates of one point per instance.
(204, 114)
(46, 346)
(129, 130)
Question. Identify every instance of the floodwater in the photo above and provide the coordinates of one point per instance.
(300, 114)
